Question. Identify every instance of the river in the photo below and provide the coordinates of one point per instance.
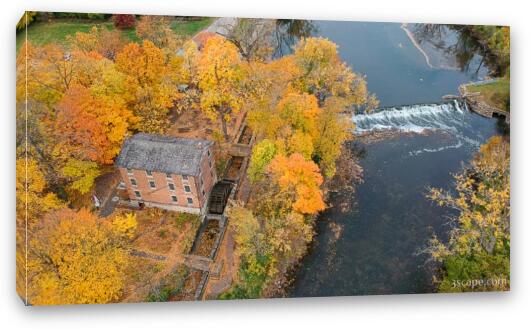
(374, 247)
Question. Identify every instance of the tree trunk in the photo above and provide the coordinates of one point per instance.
(224, 127)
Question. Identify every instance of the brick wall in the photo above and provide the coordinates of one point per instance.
(162, 193)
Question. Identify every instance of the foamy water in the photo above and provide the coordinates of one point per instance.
(450, 117)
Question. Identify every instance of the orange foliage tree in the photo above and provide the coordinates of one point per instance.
(150, 84)
(301, 177)
(89, 127)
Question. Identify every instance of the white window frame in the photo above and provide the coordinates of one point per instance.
(188, 201)
(138, 194)
(189, 187)
(174, 196)
(135, 184)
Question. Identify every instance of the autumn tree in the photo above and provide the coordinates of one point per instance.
(100, 40)
(26, 19)
(150, 86)
(51, 71)
(157, 30)
(81, 174)
(76, 258)
(220, 80)
(333, 128)
(32, 194)
(324, 74)
(252, 37)
(301, 178)
(262, 154)
(479, 244)
(33, 201)
(124, 21)
(89, 127)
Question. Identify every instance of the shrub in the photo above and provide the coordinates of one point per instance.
(122, 21)
(161, 295)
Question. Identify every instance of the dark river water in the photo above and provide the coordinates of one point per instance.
(373, 249)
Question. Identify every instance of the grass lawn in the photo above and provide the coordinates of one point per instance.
(495, 94)
(41, 33)
(190, 28)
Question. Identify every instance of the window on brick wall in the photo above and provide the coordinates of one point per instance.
(174, 198)
(149, 173)
(190, 201)
(129, 171)
(168, 175)
(137, 194)
(187, 189)
(152, 184)
(185, 177)
(171, 187)
(133, 181)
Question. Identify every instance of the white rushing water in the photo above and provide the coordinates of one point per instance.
(411, 118)
(450, 117)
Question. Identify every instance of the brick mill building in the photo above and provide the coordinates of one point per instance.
(167, 172)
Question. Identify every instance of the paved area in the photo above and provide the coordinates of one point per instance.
(222, 25)
(109, 204)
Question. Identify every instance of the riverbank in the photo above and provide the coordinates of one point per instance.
(495, 94)
(489, 99)
(415, 43)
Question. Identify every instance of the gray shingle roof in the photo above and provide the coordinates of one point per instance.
(163, 154)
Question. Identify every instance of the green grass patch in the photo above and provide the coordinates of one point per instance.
(495, 94)
(190, 28)
(42, 33)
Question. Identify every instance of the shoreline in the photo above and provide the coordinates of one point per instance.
(415, 43)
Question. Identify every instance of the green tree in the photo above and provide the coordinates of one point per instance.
(263, 153)
(81, 173)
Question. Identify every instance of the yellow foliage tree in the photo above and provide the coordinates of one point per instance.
(81, 173)
(220, 80)
(157, 30)
(126, 224)
(32, 202)
(100, 40)
(150, 84)
(479, 246)
(76, 258)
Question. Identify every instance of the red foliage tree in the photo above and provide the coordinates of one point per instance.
(123, 21)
